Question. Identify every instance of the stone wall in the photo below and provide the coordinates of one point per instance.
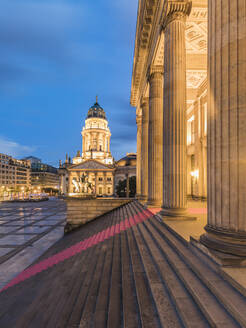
(81, 211)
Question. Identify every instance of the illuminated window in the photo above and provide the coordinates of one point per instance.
(109, 190)
(100, 190)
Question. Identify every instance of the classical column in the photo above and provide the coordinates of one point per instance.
(144, 148)
(226, 227)
(174, 131)
(155, 139)
(139, 137)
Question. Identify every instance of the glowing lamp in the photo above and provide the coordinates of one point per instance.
(195, 174)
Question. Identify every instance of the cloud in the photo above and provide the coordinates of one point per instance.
(13, 148)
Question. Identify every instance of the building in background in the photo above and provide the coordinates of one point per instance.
(125, 176)
(95, 137)
(63, 175)
(14, 175)
(92, 171)
(44, 177)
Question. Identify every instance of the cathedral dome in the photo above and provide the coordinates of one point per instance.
(96, 111)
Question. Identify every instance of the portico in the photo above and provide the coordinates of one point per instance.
(192, 113)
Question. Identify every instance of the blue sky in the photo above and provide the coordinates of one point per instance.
(56, 56)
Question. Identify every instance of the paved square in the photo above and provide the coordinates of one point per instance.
(27, 230)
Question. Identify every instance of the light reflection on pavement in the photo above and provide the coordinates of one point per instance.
(27, 230)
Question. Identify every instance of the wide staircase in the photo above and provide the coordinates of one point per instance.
(137, 274)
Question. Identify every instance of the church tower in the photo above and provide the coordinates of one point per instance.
(95, 137)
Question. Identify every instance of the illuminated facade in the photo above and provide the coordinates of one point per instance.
(150, 81)
(92, 171)
(14, 173)
(188, 87)
(95, 137)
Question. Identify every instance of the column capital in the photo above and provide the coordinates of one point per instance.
(139, 120)
(155, 71)
(145, 109)
(144, 102)
(139, 116)
(176, 10)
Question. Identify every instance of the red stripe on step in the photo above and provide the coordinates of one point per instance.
(79, 247)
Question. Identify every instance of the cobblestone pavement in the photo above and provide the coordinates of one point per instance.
(27, 230)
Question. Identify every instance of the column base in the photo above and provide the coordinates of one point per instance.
(153, 203)
(144, 198)
(139, 197)
(225, 241)
(175, 212)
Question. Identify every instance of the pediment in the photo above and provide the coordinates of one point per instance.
(90, 164)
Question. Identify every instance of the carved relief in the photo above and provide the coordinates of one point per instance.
(194, 78)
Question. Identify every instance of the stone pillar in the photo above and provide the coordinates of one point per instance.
(144, 148)
(139, 137)
(155, 139)
(226, 227)
(127, 186)
(175, 124)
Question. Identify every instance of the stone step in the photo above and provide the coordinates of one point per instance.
(74, 292)
(147, 310)
(93, 296)
(131, 314)
(77, 287)
(115, 301)
(78, 308)
(143, 276)
(187, 310)
(99, 318)
(204, 279)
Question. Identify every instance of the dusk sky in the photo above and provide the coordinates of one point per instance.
(56, 56)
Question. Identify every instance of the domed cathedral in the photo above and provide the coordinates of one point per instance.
(96, 137)
(92, 172)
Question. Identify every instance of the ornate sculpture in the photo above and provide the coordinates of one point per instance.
(83, 185)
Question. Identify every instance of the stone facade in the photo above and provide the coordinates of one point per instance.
(201, 109)
(15, 174)
(94, 171)
(81, 211)
(125, 169)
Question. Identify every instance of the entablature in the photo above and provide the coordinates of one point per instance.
(149, 44)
